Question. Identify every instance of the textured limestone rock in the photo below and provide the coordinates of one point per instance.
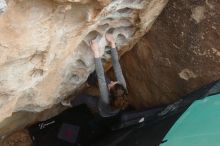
(3, 6)
(180, 53)
(45, 54)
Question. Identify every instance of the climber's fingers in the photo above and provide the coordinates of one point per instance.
(95, 48)
(93, 42)
(109, 37)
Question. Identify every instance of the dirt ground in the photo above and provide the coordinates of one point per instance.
(20, 138)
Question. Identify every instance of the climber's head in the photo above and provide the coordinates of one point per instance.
(118, 95)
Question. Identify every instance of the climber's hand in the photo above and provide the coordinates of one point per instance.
(109, 37)
(95, 48)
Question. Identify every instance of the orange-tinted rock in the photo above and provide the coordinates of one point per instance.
(20, 138)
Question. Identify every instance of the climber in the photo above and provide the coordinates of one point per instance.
(112, 92)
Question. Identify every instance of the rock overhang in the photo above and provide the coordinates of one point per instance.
(45, 54)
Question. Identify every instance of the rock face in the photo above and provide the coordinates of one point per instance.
(45, 54)
(180, 53)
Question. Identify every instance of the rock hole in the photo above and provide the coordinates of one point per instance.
(126, 31)
(125, 10)
(107, 54)
(81, 63)
(92, 35)
(121, 22)
(104, 60)
(110, 30)
(107, 50)
(106, 20)
(103, 27)
(74, 78)
(121, 40)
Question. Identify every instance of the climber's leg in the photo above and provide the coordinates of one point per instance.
(91, 81)
(90, 101)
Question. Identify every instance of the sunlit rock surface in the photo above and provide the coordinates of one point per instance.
(45, 54)
(179, 54)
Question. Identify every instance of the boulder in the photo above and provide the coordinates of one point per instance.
(45, 54)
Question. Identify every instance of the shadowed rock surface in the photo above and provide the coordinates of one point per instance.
(180, 53)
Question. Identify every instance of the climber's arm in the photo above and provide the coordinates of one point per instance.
(115, 61)
(100, 73)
